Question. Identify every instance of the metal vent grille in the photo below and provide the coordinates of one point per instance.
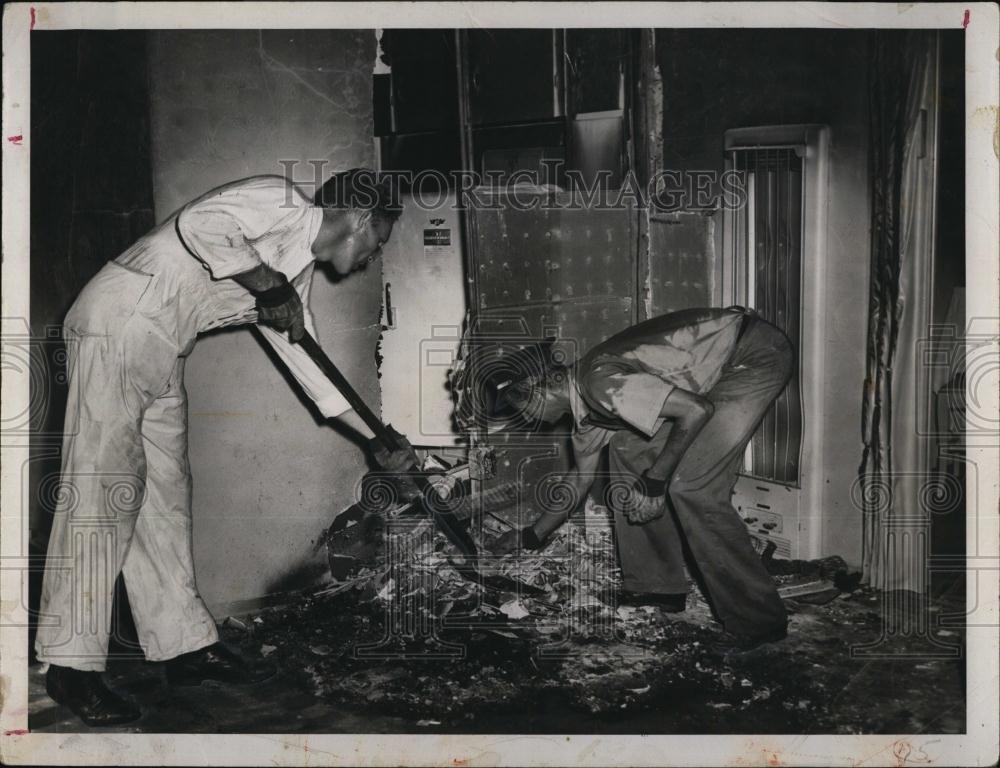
(769, 272)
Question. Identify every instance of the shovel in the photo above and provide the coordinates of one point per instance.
(433, 506)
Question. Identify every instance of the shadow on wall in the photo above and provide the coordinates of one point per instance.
(91, 197)
(268, 477)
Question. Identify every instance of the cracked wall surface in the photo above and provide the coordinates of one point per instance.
(268, 477)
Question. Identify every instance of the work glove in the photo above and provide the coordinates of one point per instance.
(394, 467)
(519, 538)
(280, 307)
(400, 460)
(646, 501)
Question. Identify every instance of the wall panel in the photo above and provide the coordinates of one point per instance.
(268, 476)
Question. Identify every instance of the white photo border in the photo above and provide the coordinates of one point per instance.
(978, 746)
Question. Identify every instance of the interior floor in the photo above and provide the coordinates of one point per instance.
(644, 672)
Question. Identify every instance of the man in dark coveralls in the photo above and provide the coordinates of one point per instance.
(676, 399)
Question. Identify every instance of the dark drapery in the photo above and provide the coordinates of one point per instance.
(902, 101)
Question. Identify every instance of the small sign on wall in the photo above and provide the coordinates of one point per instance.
(437, 243)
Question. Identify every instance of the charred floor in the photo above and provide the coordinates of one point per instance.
(417, 648)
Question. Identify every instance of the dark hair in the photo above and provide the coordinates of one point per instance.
(552, 380)
(361, 189)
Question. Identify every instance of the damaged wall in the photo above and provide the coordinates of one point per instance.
(719, 79)
(268, 476)
(715, 80)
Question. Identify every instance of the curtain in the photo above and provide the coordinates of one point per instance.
(894, 473)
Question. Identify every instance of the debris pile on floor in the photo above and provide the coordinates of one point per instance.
(567, 589)
(645, 672)
(410, 635)
(811, 581)
(665, 674)
(408, 644)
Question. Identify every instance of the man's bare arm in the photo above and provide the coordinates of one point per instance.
(581, 477)
(534, 536)
(688, 414)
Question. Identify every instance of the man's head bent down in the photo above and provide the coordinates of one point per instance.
(359, 210)
(541, 398)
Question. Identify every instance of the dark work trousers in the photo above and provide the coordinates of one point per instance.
(741, 592)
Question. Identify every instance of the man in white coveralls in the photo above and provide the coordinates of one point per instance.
(242, 253)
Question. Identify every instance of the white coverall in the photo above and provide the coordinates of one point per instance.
(125, 495)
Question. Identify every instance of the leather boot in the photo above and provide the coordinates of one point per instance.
(216, 662)
(90, 699)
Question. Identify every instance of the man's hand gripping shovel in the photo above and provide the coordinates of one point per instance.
(430, 501)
